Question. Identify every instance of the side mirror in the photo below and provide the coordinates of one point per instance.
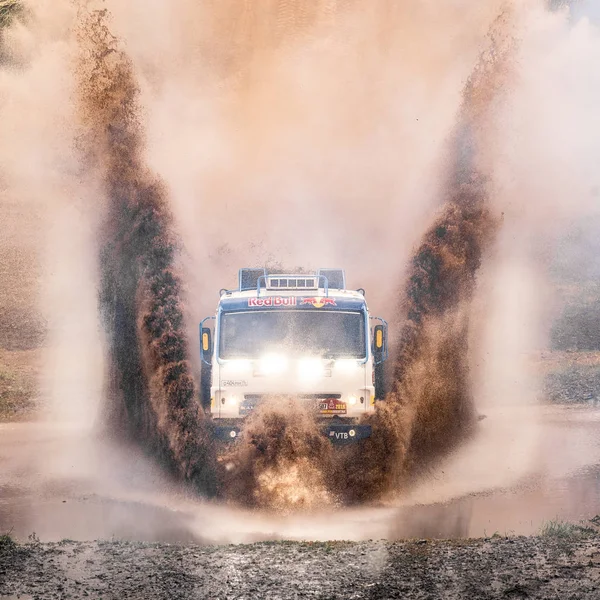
(379, 344)
(205, 345)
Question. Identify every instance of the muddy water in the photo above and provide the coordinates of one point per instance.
(61, 482)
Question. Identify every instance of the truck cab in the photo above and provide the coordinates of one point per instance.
(300, 335)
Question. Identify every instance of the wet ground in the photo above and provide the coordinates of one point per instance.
(537, 568)
(526, 466)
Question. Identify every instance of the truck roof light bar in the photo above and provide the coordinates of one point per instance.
(250, 278)
(293, 282)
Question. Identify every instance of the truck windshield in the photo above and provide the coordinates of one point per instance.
(305, 333)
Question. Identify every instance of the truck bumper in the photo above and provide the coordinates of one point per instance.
(226, 433)
(347, 434)
(336, 433)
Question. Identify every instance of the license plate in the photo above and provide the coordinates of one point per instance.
(332, 406)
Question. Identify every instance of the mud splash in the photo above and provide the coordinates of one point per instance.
(429, 409)
(432, 366)
(152, 395)
(283, 461)
(279, 463)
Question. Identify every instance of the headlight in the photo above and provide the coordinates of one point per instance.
(352, 400)
(310, 368)
(232, 400)
(273, 364)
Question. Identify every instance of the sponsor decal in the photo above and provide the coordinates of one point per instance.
(234, 383)
(332, 406)
(342, 435)
(273, 301)
(319, 302)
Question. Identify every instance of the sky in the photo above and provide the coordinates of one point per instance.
(586, 8)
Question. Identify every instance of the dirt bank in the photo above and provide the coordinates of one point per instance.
(538, 567)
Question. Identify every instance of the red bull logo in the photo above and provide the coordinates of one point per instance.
(272, 301)
(319, 302)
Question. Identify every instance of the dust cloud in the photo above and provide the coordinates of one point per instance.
(321, 135)
(296, 119)
(48, 192)
(276, 103)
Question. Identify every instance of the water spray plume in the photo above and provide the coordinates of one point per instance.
(282, 460)
(151, 392)
(430, 407)
(432, 366)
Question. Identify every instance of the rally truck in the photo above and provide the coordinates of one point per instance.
(299, 335)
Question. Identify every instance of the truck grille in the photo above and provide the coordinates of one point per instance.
(322, 396)
(251, 401)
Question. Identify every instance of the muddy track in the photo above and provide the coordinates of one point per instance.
(486, 568)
